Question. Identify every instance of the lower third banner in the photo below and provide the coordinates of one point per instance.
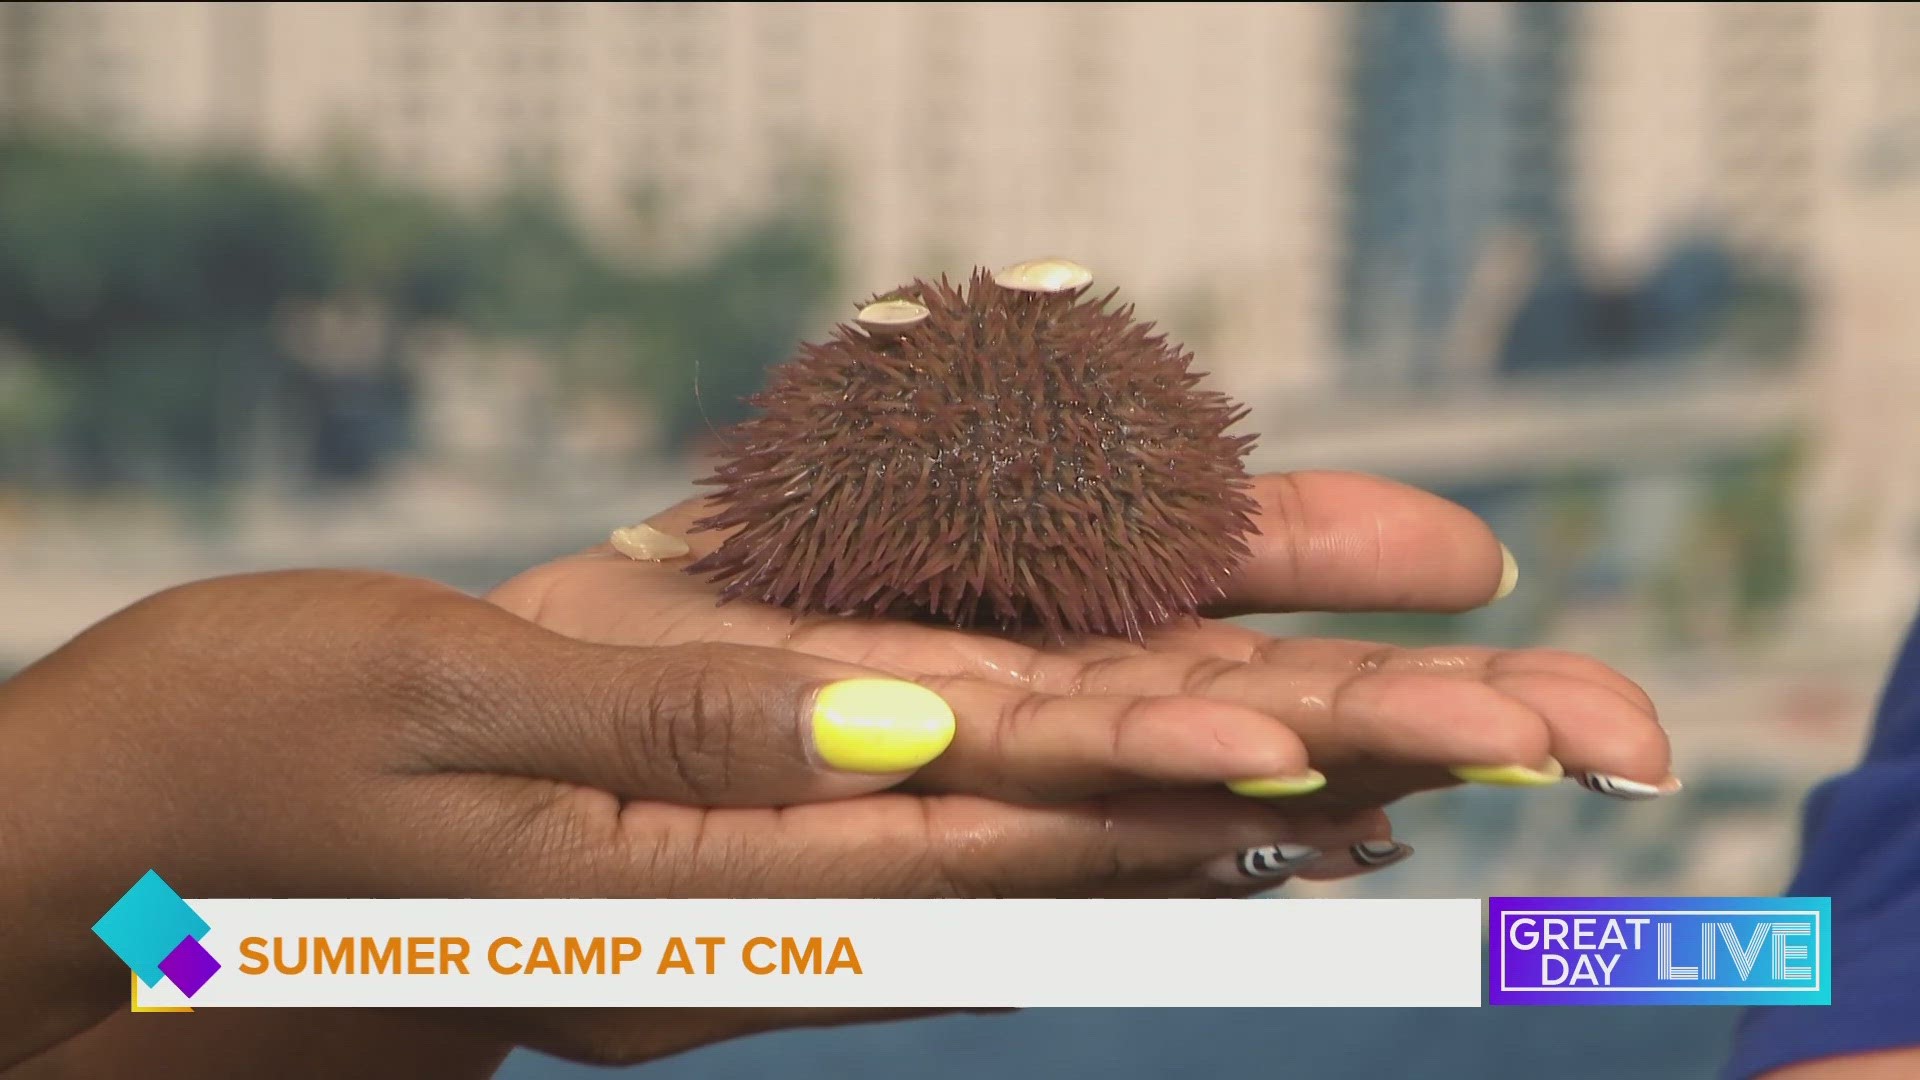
(773, 953)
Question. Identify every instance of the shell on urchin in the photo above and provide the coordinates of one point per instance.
(1014, 459)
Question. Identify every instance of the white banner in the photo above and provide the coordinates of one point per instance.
(855, 953)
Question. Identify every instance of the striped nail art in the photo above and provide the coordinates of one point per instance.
(1276, 860)
(1379, 854)
(1619, 787)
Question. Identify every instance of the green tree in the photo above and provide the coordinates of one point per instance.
(151, 292)
(147, 290)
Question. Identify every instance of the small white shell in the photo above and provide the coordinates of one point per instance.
(1044, 276)
(648, 544)
(890, 318)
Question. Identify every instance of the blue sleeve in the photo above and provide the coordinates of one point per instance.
(1860, 845)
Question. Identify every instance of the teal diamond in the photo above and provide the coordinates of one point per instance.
(147, 924)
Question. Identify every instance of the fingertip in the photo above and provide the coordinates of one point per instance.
(1361, 851)
(1335, 541)
(1593, 728)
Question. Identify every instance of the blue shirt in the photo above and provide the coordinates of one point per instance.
(1860, 845)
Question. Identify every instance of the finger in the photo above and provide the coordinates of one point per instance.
(1127, 845)
(1355, 714)
(1338, 845)
(1030, 747)
(1325, 541)
(704, 724)
(1333, 844)
(715, 725)
(1375, 706)
(1620, 752)
(1603, 747)
(1231, 641)
(586, 843)
(1139, 845)
(1333, 541)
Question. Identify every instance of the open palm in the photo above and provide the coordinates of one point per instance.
(1223, 702)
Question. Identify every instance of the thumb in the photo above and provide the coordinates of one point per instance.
(713, 725)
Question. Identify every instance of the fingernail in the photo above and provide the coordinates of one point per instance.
(1619, 787)
(880, 725)
(1279, 787)
(1379, 854)
(648, 544)
(1265, 863)
(1511, 775)
(1509, 574)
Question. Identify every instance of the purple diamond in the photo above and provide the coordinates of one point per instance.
(189, 966)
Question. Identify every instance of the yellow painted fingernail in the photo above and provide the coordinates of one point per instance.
(1278, 787)
(880, 725)
(1509, 574)
(1511, 775)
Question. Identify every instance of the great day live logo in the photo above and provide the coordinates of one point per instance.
(1593, 950)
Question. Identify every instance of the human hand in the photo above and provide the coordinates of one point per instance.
(348, 734)
(1379, 722)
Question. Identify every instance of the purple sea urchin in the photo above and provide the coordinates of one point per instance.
(1021, 456)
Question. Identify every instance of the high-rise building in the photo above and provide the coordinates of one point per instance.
(1719, 117)
(1455, 180)
(1791, 133)
(1862, 511)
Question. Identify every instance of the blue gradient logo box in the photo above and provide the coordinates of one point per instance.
(1610, 950)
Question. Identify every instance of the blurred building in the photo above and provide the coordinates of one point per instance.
(1862, 507)
(1700, 113)
(1286, 184)
(954, 133)
(1743, 117)
(1456, 179)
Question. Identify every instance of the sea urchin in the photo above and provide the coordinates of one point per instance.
(1007, 453)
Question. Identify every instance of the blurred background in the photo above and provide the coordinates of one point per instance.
(454, 288)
